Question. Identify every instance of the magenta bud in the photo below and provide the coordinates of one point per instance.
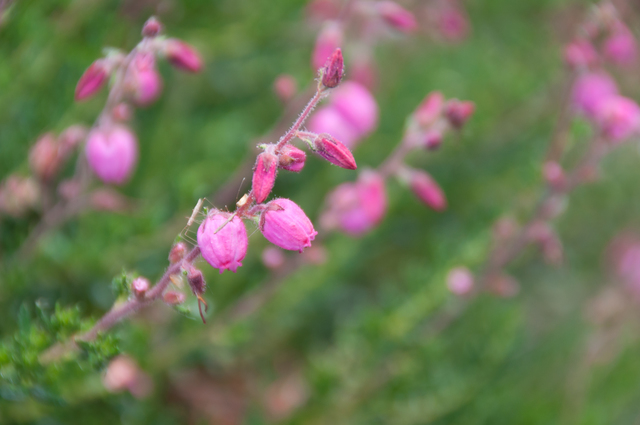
(329, 39)
(112, 153)
(553, 174)
(173, 297)
(427, 190)
(621, 47)
(502, 285)
(397, 16)
(225, 249)
(460, 281)
(618, 118)
(580, 53)
(333, 70)
(292, 158)
(195, 279)
(140, 286)
(177, 253)
(432, 139)
(92, 80)
(334, 152)
(452, 23)
(285, 87)
(430, 109)
(182, 55)
(44, 157)
(284, 224)
(143, 79)
(591, 90)
(264, 176)
(152, 27)
(458, 112)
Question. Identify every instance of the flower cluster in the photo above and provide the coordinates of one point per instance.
(357, 207)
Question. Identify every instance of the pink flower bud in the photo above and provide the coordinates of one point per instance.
(590, 90)
(330, 120)
(152, 27)
(264, 176)
(44, 157)
(554, 174)
(143, 79)
(356, 207)
(284, 224)
(621, 47)
(580, 53)
(173, 298)
(427, 190)
(333, 70)
(177, 253)
(430, 109)
(140, 286)
(122, 112)
(182, 55)
(123, 373)
(112, 153)
(460, 281)
(195, 279)
(334, 152)
(452, 23)
(357, 105)
(329, 39)
(92, 80)
(397, 16)
(272, 257)
(618, 118)
(226, 249)
(285, 87)
(292, 158)
(458, 112)
(71, 138)
(432, 140)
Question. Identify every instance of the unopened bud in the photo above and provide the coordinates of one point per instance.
(18, 194)
(285, 87)
(182, 55)
(143, 80)
(92, 80)
(554, 174)
(333, 70)
(177, 253)
(432, 140)
(430, 109)
(458, 112)
(284, 224)
(460, 281)
(397, 16)
(427, 190)
(264, 176)
(44, 157)
(334, 151)
(292, 158)
(196, 280)
(140, 286)
(173, 297)
(152, 27)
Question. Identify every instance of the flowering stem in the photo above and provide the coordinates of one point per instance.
(291, 133)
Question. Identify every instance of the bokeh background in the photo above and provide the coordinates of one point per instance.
(350, 341)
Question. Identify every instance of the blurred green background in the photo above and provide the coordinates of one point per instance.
(349, 338)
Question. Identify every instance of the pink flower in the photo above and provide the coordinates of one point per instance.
(458, 112)
(333, 70)
(182, 55)
(397, 16)
(427, 190)
(143, 79)
(226, 249)
(460, 281)
(334, 151)
(44, 157)
(452, 23)
(580, 53)
(264, 176)
(357, 207)
(590, 90)
(331, 121)
(284, 224)
(618, 118)
(112, 153)
(621, 47)
(140, 286)
(92, 80)
(292, 158)
(329, 39)
(430, 109)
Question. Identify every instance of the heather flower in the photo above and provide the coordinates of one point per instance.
(182, 55)
(427, 190)
(397, 16)
(330, 120)
(333, 70)
(264, 176)
(590, 90)
(44, 157)
(430, 109)
(460, 281)
(621, 47)
(458, 112)
(292, 158)
(112, 153)
(452, 23)
(334, 151)
(580, 53)
(284, 224)
(143, 79)
(140, 286)
(618, 118)
(225, 249)
(93, 79)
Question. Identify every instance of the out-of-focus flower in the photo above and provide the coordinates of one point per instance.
(112, 153)
(272, 257)
(618, 118)
(580, 53)
(93, 79)
(182, 55)
(225, 249)
(621, 47)
(143, 80)
(285, 87)
(18, 195)
(427, 190)
(460, 281)
(397, 16)
(44, 157)
(591, 90)
(123, 374)
(329, 39)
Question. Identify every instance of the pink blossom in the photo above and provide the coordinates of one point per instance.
(397, 16)
(177, 253)
(44, 157)
(618, 118)
(112, 153)
(460, 281)
(93, 79)
(357, 105)
(427, 190)
(621, 47)
(152, 27)
(430, 109)
(285, 87)
(333, 70)
(453, 23)
(140, 286)
(182, 55)
(580, 53)
(284, 224)
(225, 249)
(590, 90)
(357, 207)
(329, 120)
(143, 79)
(458, 112)
(334, 151)
(329, 39)
(264, 176)
(292, 158)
